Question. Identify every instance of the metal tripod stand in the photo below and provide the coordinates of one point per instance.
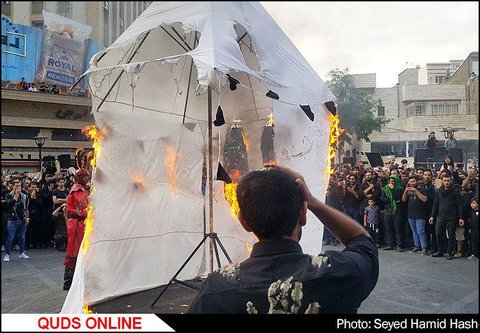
(215, 240)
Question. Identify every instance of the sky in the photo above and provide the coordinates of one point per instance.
(378, 37)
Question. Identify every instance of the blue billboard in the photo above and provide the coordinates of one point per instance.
(22, 48)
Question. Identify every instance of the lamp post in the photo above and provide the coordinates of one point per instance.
(40, 141)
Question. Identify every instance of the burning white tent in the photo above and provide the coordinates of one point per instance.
(152, 92)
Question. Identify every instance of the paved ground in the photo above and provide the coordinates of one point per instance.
(408, 283)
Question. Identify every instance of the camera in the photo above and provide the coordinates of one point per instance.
(49, 166)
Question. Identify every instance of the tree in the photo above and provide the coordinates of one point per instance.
(355, 107)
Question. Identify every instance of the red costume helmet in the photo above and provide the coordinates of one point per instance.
(80, 173)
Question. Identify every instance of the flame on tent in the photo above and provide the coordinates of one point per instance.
(88, 227)
(137, 181)
(250, 248)
(245, 142)
(271, 121)
(92, 132)
(86, 310)
(231, 196)
(171, 163)
(335, 132)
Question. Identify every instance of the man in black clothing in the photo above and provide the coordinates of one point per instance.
(4, 192)
(59, 197)
(35, 205)
(431, 141)
(430, 228)
(47, 226)
(446, 213)
(416, 197)
(278, 277)
(333, 198)
(369, 190)
(394, 225)
(351, 199)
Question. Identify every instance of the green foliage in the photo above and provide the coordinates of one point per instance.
(355, 107)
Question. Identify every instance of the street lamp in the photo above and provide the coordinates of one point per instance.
(40, 141)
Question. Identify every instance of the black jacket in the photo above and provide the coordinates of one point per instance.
(277, 271)
(447, 204)
(16, 209)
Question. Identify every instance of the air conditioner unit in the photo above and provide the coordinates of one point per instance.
(105, 5)
(121, 23)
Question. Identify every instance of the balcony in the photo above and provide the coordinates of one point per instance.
(41, 97)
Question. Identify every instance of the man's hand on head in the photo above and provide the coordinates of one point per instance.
(299, 180)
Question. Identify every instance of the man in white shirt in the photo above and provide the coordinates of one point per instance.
(32, 88)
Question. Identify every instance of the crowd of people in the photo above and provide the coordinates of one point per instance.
(45, 210)
(419, 210)
(30, 86)
(42, 194)
(46, 88)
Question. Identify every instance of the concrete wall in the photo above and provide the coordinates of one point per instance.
(433, 92)
(365, 80)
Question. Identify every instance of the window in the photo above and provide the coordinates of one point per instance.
(6, 8)
(410, 110)
(381, 111)
(37, 24)
(419, 109)
(114, 23)
(444, 109)
(37, 7)
(17, 132)
(106, 23)
(61, 134)
(122, 17)
(439, 78)
(474, 66)
(416, 109)
(63, 7)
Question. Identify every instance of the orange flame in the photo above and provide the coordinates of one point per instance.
(86, 310)
(92, 132)
(335, 132)
(245, 142)
(171, 163)
(88, 228)
(271, 121)
(138, 181)
(231, 197)
(250, 248)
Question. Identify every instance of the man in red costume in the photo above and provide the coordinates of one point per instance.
(77, 203)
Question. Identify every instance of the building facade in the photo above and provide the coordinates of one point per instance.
(108, 18)
(416, 109)
(58, 117)
(435, 73)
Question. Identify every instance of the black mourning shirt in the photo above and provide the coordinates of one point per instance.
(417, 209)
(279, 278)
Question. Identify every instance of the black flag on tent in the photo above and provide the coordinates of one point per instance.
(331, 107)
(308, 111)
(222, 174)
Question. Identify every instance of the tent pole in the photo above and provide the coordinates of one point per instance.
(123, 71)
(189, 81)
(210, 174)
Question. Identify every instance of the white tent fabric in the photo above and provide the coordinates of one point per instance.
(148, 93)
